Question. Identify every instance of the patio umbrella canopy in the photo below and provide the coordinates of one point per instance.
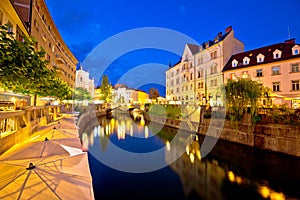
(44, 170)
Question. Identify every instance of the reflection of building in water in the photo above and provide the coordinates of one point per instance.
(203, 177)
(208, 179)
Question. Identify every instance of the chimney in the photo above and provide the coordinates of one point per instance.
(220, 34)
(228, 29)
(290, 41)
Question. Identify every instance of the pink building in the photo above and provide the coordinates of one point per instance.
(275, 66)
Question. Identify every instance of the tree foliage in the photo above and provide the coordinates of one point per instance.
(24, 69)
(105, 89)
(82, 94)
(243, 95)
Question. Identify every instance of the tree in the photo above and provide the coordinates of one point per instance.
(24, 70)
(153, 93)
(82, 94)
(105, 89)
(241, 95)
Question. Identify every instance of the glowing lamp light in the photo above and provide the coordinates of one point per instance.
(192, 158)
(231, 176)
(168, 146)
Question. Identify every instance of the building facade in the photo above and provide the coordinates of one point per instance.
(275, 66)
(83, 81)
(197, 78)
(9, 15)
(39, 23)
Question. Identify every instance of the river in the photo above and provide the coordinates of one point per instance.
(176, 170)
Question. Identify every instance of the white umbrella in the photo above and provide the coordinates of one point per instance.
(45, 170)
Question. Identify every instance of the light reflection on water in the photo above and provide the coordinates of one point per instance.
(230, 171)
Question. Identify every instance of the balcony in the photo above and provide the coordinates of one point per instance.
(60, 59)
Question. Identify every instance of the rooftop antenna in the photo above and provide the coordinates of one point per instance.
(289, 33)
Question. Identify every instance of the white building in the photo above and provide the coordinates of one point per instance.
(197, 78)
(83, 81)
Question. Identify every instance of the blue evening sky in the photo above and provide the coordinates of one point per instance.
(85, 24)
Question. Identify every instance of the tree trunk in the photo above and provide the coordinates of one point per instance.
(34, 99)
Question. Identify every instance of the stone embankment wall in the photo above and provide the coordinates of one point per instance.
(279, 138)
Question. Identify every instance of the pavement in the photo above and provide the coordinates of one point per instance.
(64, 133)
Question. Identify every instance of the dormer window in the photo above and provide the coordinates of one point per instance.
(277, 54)
(234, 63)
(260, 58)
(246, 61)
(296, 50)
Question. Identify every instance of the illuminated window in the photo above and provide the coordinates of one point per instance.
(233, 76)
(245, 74)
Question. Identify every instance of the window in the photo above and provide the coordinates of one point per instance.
(295, 50)
(275, 70)
(1, 17)
(259, 73)
(200, 85)
(295, 85)
(213, 69)
(80, 79)
(191, 76)
(277, 54)
(10, 28)
(177, 89)
(172, 83)
(191, 65)
(234, 63)
(295, 67)
(191, 88)
(260, 58)
(172, 74)
(182, 89)
(246, 61)
(245, 74)
(177, 81)
(233, 76)
(213, 82)
(213, 55)
(200, 61)
(200, 73)
(276, 87)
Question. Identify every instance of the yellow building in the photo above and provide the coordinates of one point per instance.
(276, 66)
(17, 29)
(40, 24)
(9, 15)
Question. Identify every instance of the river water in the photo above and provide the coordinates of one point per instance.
(229, 171)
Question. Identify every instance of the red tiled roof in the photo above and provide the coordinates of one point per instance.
(267, 51)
